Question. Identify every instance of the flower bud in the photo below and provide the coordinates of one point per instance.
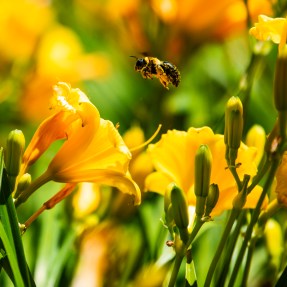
(256, 137)
(14, 151)
(233, 128)
(274, 240)
(202, 170)
(212, 199)
(23, 183)
(179, 207)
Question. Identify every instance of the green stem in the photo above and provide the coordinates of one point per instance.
(236, 177)
(15, 231)
(177, 263)
(259, 176)
(254, 219)
(41, 180)
(180, 253)
(251, 248)
(234, 214)
(230, 248)
(197, 226)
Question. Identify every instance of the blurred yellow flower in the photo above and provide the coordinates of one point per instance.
(86, 199)
(60, 55)
(274, 29)
(173, 157)
(268, 28)
(256, 137)
(220, 18)
(281, 181)
(93, 151)
(140, 165)
(21, 24)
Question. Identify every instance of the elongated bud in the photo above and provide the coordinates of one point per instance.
(274, 241)
(212, 199)
(179, 207)
(233, 128)
(169, 219)
(256, 137)
(202, 170)
(23, 183)
(15, 148)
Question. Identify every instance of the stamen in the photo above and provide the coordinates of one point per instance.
(148, 141)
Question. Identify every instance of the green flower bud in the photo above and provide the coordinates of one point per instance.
(14, 151)
(212, 198)
(167, 196)
(233, 128)
(202, 170)
(23, 183)
(179, 207)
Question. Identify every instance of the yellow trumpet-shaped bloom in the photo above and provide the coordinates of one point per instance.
(274, 29)
(173, 157)
(92, 152)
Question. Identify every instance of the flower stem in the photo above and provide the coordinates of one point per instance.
(234, 214)
(37, 183)
(15, 232)
(229, 251)
(181, 252)
(253, 221)
(175, 270)
(258, 176)
(251, 248)
(236, 177)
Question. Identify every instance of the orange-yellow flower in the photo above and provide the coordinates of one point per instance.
(173, 157)
(21, 24)
(281, 181)
(59, 55)
(274, 29)
(93, 151)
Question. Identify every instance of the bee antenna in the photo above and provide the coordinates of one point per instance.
(134, 57)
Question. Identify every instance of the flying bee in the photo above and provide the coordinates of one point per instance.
(166, 72)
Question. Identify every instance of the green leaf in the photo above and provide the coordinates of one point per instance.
(11, 257)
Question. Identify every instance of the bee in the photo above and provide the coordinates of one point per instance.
(166, 72)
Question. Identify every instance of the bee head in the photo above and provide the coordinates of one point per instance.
(140, 63)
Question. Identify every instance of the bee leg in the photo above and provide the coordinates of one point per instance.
(146, 73)
(164, 83)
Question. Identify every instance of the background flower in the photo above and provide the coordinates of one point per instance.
(173, 157)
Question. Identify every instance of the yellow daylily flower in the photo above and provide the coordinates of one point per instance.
(93, 151)
(273, 29)
(22, 22)
(281, 181)
(173, 157)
